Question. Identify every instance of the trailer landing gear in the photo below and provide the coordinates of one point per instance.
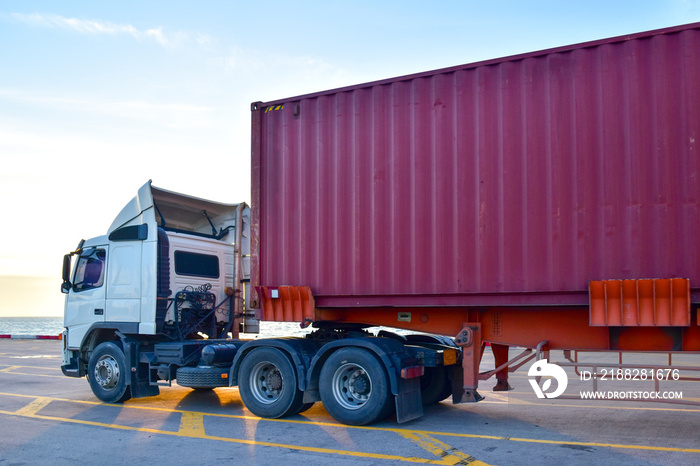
(500, 355)
(469, 339)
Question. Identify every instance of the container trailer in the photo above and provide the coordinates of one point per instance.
(545, 201)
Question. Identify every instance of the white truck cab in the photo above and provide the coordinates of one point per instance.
(171, 267)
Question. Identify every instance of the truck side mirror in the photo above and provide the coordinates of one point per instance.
(66, 285)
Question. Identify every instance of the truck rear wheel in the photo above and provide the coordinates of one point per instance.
(107, 373)
(268, 384)
(354, 387)
(435, 386)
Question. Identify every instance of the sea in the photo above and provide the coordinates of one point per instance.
(51, 326)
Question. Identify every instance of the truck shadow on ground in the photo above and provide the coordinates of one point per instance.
(207, 400)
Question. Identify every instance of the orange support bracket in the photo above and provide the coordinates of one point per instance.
(469, 340)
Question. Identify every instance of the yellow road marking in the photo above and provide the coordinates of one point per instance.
(34, 407)
(10, 368)
(555, 404)
(51, 368)
(380, 429)
(36, 356)
(449, 455)
(230, 440)
(567, 442)
(511, 401)
(192, 425)
(33, 375)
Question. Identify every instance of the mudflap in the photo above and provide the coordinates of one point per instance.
(142, 389)
(409, 405)
(138, 381)
(74, 368)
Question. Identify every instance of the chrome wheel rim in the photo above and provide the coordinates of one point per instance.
(107, 372)
(352, 386)
(266, 382)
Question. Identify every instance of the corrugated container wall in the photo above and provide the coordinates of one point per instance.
(507, 182)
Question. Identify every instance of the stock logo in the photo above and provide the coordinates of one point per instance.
(542, 368)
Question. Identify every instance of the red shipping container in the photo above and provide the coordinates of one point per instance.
(508, 182)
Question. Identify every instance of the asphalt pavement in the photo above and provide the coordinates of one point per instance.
(47, 418)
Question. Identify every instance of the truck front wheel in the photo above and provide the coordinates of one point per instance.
(268, 384)
(107, 373)
(354, 387)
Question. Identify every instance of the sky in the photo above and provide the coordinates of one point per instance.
(97, 98)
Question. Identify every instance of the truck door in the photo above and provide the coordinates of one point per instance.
(85, 303)
(124, 282)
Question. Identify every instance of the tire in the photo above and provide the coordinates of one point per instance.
(434, 385)
(108, 372)
(202, 377)
(267, 383)
(354, 387)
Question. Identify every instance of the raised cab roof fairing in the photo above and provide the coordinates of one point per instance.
(180, 212)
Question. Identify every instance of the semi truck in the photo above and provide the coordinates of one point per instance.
(544, 201)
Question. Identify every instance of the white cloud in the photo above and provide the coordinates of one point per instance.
(242, 59)
(95, 27)
(274, 75)
(173, 115)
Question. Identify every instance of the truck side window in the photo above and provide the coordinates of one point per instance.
(90, 270)
(196, 265)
